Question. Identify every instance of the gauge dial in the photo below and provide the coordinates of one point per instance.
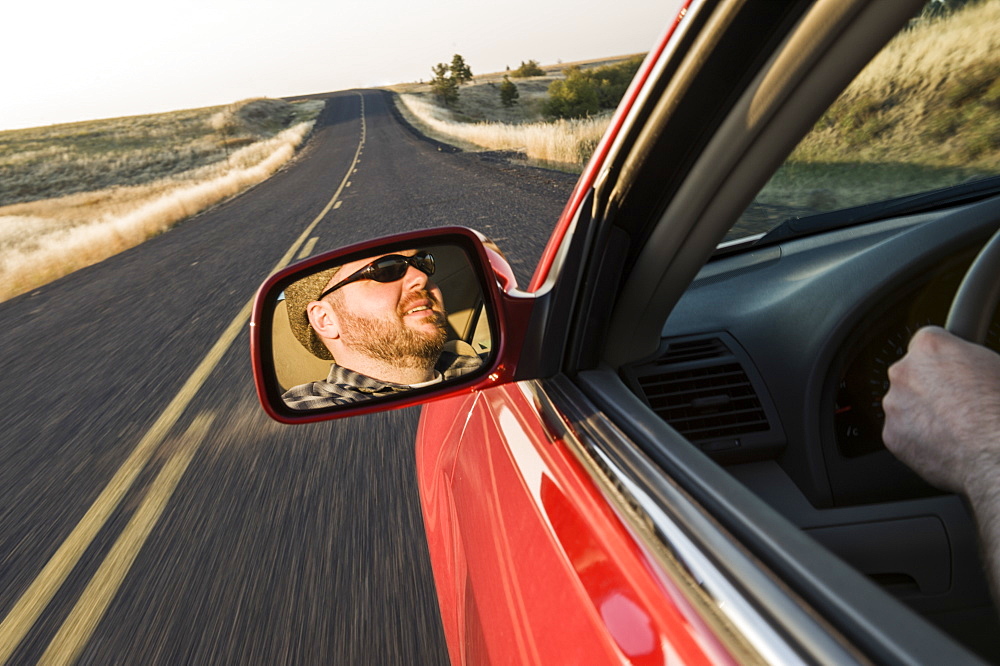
(857, 412)
(858, 417)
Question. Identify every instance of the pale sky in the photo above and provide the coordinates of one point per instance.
(67, 60)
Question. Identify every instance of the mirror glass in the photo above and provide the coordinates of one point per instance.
(371, 327)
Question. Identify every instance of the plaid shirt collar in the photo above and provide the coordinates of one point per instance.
(343, 385)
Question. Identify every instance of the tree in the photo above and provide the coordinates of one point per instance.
(508, 92)
(459, 70)
(573, 97)
(530, 68)
(585, 92)
(444, 85)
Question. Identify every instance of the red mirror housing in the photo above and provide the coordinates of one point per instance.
(485, 323)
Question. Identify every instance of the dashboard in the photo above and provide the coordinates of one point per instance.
(799, 336)
(818, 320)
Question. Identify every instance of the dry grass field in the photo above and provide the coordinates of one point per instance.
(924, 114)
(72, 195)
(480, 122)
(563, 144)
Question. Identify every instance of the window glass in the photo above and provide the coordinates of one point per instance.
(924, 115)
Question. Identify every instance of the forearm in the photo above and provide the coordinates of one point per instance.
(943, 420)
(984, 496)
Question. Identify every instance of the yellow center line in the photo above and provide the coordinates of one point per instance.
(40, 593)
(93, 603)
(308, 248)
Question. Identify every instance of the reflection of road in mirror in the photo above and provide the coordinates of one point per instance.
(377, 326)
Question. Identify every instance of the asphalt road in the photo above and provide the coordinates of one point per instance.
(150, 512)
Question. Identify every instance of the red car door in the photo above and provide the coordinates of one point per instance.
(523, 543)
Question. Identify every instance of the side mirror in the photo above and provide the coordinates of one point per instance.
(384, 324)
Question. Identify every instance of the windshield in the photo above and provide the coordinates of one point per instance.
(924, 115)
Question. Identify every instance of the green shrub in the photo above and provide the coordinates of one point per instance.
(971, 116)
(508, 92)
(586, 92)
(573, 97)
(981, 134)
(976, 83)
(530, 68)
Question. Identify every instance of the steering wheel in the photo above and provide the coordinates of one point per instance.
(972, 308)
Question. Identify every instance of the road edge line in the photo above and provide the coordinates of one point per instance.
(36, 598)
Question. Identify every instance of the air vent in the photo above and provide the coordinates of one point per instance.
(709, 393)
(706, 403)
(694, 350)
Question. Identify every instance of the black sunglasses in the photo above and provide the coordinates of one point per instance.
(389, 268)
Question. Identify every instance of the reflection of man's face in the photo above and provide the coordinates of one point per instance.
(401, 322)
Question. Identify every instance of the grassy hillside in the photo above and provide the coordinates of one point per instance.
(480, 122)
(925, 113)
(47, 162)
(931, 97)
(74, 194)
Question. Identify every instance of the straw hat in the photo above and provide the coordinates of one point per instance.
(297, 296)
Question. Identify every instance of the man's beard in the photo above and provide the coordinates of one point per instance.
(391, 340)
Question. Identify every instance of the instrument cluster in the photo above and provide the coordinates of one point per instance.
(857, 411)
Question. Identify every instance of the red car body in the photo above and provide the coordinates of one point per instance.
(530, 563)
(506, 504)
